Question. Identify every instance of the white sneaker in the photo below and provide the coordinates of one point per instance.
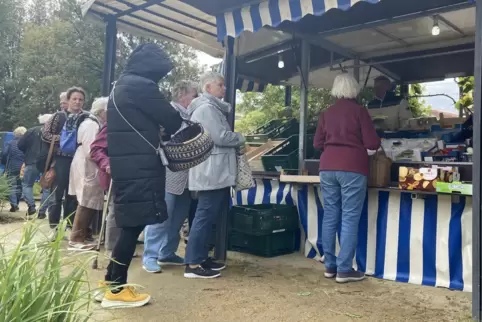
(80, 246)
(53, 234)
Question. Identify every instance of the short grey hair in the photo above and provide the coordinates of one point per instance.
(181, 88)
(345, 86)
(208, 78)
(19, 131)
(99, 106)
(63, 96)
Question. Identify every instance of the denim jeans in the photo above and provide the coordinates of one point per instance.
(343, 198)
(29, 176)
(162, 240)
(15, 189)
(211, 204)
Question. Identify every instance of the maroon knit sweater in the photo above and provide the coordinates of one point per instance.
(345, 131)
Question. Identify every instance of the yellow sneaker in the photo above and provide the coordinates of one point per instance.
(126, 298)
(100, 291)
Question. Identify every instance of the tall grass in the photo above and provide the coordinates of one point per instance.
(38, 283)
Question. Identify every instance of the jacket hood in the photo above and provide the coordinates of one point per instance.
(206, 98)
(149, 61)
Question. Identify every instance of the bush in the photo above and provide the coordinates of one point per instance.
(38, 284)
(4, 189)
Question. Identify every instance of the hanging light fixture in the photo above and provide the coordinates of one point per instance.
(281, 63)
(435, 28)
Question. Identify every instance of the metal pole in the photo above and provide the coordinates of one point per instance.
(287, 96)
(304, 76)
(476, 172)
(396, 60)
(221, 246)
(356, 70)
(110, 47)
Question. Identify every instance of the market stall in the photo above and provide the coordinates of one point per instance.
(417, 235)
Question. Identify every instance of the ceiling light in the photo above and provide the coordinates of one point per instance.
(435, 28)
(281, 63)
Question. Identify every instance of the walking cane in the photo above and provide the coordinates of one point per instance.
(102, 228)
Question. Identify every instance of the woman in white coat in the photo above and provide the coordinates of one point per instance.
(84, 179)
(213, 178)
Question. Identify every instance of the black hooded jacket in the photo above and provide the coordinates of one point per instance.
(137, 171)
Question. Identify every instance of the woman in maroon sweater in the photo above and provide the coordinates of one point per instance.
(345, 132)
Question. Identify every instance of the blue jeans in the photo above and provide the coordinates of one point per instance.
(211, 204)
(162, 240)
(30, 175)
(343, 198)
(15, 189)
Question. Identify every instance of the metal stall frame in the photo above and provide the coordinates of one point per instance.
(476, 170)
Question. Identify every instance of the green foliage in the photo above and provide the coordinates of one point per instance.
(52, 48)
(418, 106)
(259, 108)
(466, 86)
(38, 284)
(4, 188)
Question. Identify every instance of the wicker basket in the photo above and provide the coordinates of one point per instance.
(188, 148)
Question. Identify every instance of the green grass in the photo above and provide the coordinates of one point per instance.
(41, 283)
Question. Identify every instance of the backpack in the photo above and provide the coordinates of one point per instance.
(68, 135)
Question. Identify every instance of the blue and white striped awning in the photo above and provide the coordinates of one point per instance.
(273, 12)
(242, 83)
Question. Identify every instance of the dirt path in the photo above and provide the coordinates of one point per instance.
(288, 288)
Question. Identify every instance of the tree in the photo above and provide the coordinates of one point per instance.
(54, 48)
(466, 88)
(418, 105)
(259, 108)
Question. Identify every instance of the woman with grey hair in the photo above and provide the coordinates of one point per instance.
(12, 158)
(213, 178)
(84, 181)
(344, 133)
(162, 240)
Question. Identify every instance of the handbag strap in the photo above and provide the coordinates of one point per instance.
(49, 155)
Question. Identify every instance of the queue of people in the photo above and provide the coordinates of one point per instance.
(116, 146)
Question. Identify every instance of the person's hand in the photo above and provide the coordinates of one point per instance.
(107, 170)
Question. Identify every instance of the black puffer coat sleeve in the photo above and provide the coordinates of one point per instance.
(161, 110)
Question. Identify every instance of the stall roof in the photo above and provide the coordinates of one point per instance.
(167, 20)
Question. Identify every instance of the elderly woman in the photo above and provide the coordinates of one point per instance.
(345, 132)
(162, 240)
(12, 158)
(84, 180)
(213, 178)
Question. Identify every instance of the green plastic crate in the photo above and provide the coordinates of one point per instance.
(279, 128)
(264, 219)
(285, 155)
(271, 245)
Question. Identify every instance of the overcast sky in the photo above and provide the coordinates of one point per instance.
(441, 103)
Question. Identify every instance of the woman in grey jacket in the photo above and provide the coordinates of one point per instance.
(213, 178)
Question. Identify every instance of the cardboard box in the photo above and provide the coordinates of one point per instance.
(424, 178)
(455, 188)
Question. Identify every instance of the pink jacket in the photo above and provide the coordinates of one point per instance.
(98, 153)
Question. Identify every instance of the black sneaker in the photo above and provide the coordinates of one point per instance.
(14, 209)
(212, 265)
(42, 215)
(31, 211)
(200, 272)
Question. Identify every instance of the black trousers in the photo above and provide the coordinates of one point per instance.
(122, 255)
(61, 186)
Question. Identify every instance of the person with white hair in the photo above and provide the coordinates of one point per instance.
(84, 181)
(31, 145)
(13, 158)
(64, 102)
(213, 178)
(344, 133)
(162, 240)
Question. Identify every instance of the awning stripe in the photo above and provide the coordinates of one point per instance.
(244, 85)
(274, 12)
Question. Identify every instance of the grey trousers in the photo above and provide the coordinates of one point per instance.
(112, 232)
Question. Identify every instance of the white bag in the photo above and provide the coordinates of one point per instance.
(244, 177)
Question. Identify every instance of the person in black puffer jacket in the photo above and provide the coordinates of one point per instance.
(136, 107)
(13, 159)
